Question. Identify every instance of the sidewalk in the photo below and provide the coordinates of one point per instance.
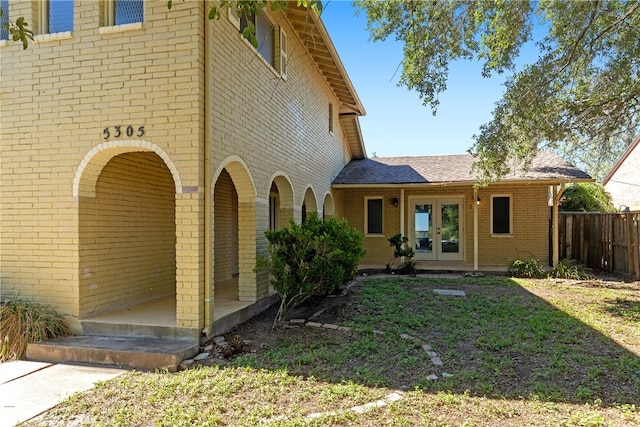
(27, 389)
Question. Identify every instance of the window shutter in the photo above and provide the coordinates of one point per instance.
(232, 15)
(283, 54)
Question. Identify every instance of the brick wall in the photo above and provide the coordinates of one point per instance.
(70, 88)
(530, 237)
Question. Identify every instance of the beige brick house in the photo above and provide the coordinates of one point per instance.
(145, 151)
(623, 181)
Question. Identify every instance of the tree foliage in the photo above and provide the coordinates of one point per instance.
(586, 197)
(582, 95)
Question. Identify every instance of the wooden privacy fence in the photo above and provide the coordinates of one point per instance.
(609, 242)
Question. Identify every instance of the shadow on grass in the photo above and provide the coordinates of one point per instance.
(501, 340)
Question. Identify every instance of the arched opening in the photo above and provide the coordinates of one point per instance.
(226, 261)
(233, 239)
(309, 203)
(280, 202)
(127, 236)
(328, 207)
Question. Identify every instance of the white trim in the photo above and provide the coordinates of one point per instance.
(43, 38)
(111, 29)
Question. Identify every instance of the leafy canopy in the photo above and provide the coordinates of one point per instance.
(581, 97)
(586, 197)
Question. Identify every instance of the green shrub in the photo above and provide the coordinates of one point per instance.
(23, 322)
(401, 250)
(529, 269)
(310, 259)
(571, 269)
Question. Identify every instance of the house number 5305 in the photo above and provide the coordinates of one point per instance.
(120, 131)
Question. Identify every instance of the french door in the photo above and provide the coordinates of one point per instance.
(436, 231)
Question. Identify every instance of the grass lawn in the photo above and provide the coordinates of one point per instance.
(514, 353)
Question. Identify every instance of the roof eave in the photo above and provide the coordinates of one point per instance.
(553, 181)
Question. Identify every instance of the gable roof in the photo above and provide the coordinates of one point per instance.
(449, 169)
(620, 162)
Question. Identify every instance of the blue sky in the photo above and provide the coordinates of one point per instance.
(397, 123)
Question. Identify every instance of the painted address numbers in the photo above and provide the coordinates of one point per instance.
(120, 131)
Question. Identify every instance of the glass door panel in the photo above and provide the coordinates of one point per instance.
(423, 228)
(449, 228)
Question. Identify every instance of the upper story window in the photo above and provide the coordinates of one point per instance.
(264, 31)
(4, 19)
(55, 16)
(120, 12)
(501, 215)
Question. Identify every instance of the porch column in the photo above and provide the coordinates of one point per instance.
(557, 193)
(475, 229)
(402, 213)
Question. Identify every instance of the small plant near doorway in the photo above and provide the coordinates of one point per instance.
(402, 255)
(23, 322)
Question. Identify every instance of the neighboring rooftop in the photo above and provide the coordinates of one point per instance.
(455, 168)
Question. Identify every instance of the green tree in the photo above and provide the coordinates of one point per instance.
(586, 197)
(581, 96)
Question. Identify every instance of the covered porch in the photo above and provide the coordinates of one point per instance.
(157, 318)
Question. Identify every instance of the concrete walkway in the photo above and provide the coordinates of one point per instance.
(27, 389)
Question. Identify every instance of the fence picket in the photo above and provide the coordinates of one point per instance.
(609, 242)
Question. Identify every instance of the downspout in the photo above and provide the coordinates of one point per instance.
(475, 229)
(402, 214)
(556, 219)
(208, 297)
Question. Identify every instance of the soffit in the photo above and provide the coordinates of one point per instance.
(314, 36)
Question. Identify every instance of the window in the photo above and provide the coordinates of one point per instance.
(264, 35)
(55, 16)
(120, 12)
(501, 214)
(331, 118)
(373, 215)
(4, 19)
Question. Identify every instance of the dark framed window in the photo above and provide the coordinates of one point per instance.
(501, 214)
(373, 215)
(4, 19)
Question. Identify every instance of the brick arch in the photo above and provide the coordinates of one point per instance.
(310, 200)
(242, 179)
(84, 181)
(242, 217)
(285, 188)
(328, 206)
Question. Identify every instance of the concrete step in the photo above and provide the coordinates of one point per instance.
(130, 330)
(136, 353)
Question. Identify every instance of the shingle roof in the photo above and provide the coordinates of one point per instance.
(454, 168)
